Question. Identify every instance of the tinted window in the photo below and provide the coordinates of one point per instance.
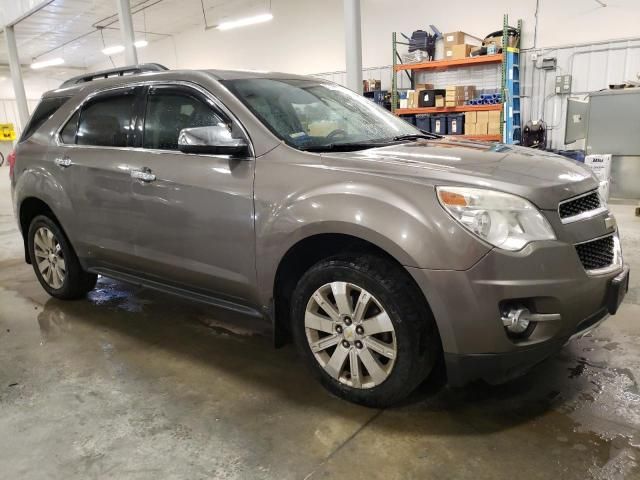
(106, 121)
(45, 109)
(169, 111)
(68, 133)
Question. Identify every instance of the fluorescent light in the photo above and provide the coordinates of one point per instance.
(47, 63)
(243, 22)
(113, 49)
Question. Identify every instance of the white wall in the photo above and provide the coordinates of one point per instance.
(306, 36)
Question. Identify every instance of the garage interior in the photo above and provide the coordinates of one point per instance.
(132, 383)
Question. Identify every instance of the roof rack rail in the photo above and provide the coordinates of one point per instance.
(114, 72)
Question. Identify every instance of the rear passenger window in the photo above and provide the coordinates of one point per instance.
(43, 112)
(68, 133)
(169, 111)
(106, 121)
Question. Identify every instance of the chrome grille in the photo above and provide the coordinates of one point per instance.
(577, 206)
(597, 253)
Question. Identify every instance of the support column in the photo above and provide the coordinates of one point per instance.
(126, 27)
(16, 75)
(353, 44)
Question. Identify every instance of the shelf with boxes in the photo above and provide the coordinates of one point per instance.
(498, 107)
(479, 124)
(456, 109)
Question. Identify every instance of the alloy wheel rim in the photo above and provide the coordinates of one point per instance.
(49, 257)
(350, 334)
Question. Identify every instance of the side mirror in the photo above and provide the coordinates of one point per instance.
(214, 140)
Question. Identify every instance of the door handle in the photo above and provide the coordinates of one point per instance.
(144, 174)
(63, 162)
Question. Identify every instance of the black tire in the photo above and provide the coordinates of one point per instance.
(417, 339)
(76, 281)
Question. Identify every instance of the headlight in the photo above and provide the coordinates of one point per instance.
(503, 220)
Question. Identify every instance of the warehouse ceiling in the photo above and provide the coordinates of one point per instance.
(78, 30)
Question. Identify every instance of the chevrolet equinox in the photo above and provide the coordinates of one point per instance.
(378, 249)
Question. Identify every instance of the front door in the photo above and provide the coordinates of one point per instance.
(193, 213)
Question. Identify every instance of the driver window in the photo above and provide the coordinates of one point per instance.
(170, 110)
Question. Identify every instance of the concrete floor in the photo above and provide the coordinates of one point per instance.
(133, 384)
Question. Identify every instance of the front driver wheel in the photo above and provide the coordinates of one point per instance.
(55, 263)
(364, 329)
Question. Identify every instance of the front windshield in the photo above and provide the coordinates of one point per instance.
(311, 114)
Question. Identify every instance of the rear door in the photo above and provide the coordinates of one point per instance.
(92, 156)
(194, 220)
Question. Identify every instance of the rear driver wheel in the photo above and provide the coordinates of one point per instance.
(55, 263)
(364, 329)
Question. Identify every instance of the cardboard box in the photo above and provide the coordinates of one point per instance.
(481, 128)
(493, 128)
(424, 86)
(440, 102)
(469, 128)
(453, 38)
(463, 92)
(470, 117)
(601, 167)
(494, 116)
(371, 85)
(482, 117)
(411, 99)
(456, 52)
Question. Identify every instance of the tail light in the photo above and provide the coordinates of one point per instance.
(11, 159)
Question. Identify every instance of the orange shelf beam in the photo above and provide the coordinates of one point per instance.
(483, 138)
(458, 109)
(443, 64)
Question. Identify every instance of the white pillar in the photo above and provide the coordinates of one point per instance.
(126, 27)
(353, 44)
(16, 75)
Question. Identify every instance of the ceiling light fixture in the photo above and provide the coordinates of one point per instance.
(112, 50)
(47, 63)
(243, 22)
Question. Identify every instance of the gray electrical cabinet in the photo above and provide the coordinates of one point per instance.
(610, 124)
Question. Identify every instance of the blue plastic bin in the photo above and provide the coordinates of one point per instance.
(455, 124)
(423, 122)
(439, 124)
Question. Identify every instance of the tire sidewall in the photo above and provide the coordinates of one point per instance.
(69, 257)
(407, 372)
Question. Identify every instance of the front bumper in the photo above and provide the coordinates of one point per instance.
(496, 368)
(466, 305)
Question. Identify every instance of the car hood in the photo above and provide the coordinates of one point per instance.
(542, 177)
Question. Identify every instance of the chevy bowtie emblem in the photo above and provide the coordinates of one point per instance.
(610, 222)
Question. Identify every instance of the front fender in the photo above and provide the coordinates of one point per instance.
(402, 218)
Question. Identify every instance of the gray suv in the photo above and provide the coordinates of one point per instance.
(380, 250)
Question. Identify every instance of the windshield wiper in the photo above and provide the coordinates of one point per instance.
(342, 147)
(416, 136)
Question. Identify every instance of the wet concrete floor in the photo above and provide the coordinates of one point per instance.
(132, 384)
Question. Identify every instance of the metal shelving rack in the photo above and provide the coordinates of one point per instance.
(511, 119)
(510, 85)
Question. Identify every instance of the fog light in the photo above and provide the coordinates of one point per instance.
(516, 320)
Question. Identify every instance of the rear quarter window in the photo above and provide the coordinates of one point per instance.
(43, 112)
